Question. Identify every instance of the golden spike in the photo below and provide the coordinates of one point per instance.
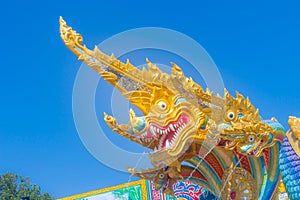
(149, 63)
(239, 98)
(82, 57)
(151, 66)
(131, 113)
(96, 50)
(229, 100)
(225, 93)
(248, 104)
(176, 70)
(207, 91)
(239, 95)
(274, 119)
(112, 56)
(190, 81)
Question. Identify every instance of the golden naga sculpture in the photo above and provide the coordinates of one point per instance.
(221, 140)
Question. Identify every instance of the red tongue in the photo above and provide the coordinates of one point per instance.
(169, 137)
(222, 143)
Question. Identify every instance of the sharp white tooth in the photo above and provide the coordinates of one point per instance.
(168, 144)
(154, 128)
(151, 129)
(161, 132)
(154, 134)
(155, 149)
(181, 120)
(171, 127)
(168, 129)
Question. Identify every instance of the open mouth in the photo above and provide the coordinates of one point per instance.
(255, 151)
(167, 135)
(166, 185)
(225, 143)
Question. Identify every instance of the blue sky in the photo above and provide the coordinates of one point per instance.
(256, 47)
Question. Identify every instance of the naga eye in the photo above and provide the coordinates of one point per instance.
(231, 115)
(161, 176)
(251, 138)
(162, 105)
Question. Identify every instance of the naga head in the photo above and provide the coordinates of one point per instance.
(240, 127)
(175, 109)
(248, 138)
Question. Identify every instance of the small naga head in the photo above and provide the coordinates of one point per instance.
(175, 109)
(239, 109)
(232, 110)
(163, 178)
(248, 138)
(240, 127)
